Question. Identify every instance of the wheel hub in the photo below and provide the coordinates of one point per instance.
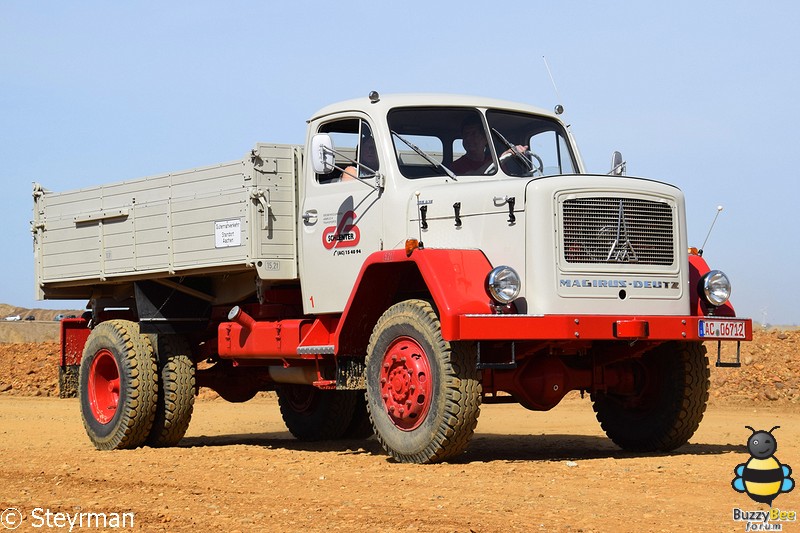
(301, 399)
(103, 389)
(405, 383)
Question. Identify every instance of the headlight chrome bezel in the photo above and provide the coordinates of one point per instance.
(503, 284)
(715, 287)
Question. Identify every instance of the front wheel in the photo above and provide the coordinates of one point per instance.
(423, 393)
(672, 392)
(118, 386)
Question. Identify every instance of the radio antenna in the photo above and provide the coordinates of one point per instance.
(559, 108)
(719, 210)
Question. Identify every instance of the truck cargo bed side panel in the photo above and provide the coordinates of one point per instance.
(229, 217)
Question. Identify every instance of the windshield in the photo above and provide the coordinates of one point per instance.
(462, 141)
(539, 145)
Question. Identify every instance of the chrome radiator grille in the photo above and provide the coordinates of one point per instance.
(617, 230)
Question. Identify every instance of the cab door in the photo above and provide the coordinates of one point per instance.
(341, 220)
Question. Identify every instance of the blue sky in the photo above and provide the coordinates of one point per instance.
(700, 94)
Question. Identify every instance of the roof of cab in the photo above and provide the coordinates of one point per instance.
(389, 101)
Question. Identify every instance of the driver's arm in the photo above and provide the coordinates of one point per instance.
(508, 153)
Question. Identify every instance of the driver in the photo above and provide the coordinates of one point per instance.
(478, 157)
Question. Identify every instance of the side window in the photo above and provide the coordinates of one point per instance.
(344, 134)
(367, 153)
(458, 149)
(353, 141)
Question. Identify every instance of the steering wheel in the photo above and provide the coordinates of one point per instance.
(514, 166)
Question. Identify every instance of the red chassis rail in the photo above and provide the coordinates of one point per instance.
(283, 338)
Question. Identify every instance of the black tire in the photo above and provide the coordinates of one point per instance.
(117, 358)
(176, 385)
(426, 408)
(673, 392)
(313, 414)
(360, 426)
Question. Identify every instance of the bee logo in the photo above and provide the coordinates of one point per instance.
(762, 477)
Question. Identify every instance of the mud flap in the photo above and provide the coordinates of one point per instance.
(68, 381)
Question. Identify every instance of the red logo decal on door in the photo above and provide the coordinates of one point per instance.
(345, 235)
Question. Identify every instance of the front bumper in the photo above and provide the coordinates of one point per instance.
(601, 327)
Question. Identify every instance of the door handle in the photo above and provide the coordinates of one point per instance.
(310, 216)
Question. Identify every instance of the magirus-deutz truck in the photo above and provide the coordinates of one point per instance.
(418, 256)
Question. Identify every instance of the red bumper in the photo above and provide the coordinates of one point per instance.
(601, 327)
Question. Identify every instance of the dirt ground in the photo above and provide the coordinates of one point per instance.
(238, 469)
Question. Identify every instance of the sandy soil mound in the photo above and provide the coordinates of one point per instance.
(29, 369)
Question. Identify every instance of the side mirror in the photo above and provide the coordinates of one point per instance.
(617, 165)
(322, 155)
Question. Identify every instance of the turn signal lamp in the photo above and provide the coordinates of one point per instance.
(411, 245)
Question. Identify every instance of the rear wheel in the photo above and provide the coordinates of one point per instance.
(423, 393)
(672, 386)
(118, 386)
(176, 390)
(313, 414)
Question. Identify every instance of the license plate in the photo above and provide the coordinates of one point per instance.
(721, 329)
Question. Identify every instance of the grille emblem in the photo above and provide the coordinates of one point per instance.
(621, 250)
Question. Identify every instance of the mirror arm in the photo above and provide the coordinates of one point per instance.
(377, 175)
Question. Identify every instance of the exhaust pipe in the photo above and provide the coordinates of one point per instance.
(236, 314)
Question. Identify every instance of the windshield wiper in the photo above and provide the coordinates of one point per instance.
(420, 152)
(514, 150)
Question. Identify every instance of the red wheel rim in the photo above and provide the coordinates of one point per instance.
(406, 383)
(104, 386)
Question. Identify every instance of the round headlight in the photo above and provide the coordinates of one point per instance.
(716, 287)
(503, 284)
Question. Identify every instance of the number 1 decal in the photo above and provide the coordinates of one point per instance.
(312, 302)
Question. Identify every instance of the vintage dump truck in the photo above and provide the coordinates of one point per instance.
(420, 255)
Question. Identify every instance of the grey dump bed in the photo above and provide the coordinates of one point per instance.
(225, 218)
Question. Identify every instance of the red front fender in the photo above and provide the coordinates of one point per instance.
(697, 269)
(453, 278)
